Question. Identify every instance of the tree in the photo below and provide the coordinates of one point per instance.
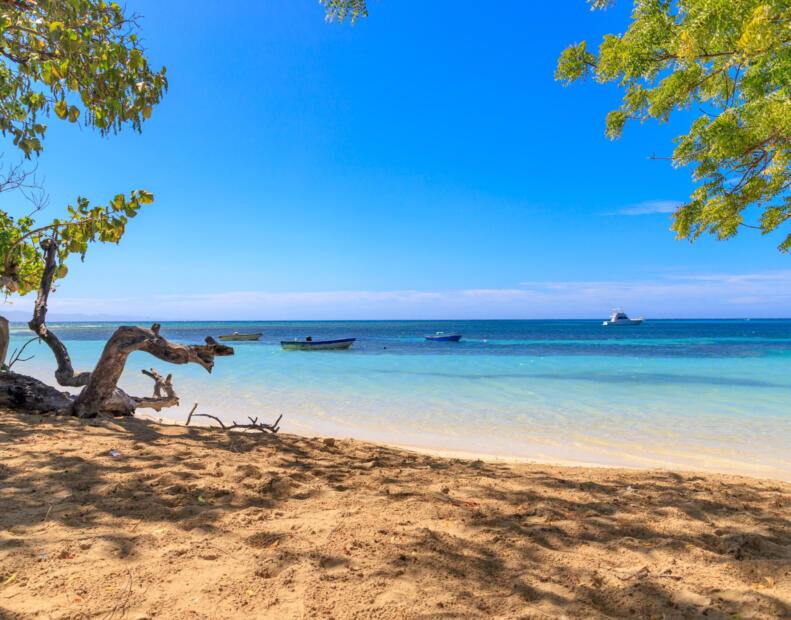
(81, 61)
(339, 10)
(731, 61)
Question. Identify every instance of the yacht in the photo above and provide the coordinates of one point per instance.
(618, 317)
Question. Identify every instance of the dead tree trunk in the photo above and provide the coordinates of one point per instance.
(4, 339)
(104, 378)
(64, 374)
(100, 393)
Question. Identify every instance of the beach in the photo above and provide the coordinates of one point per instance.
(698, 395)
(190, 522)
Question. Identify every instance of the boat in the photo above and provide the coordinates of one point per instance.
(618, 317)
(316, 345)
(238, 336)
(443, 337)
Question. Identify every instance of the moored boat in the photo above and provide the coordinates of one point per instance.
(618, 317)
(238, 336)
(443, 337)
(316, 345)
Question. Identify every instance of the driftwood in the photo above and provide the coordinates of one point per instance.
(189, 417)
(101, 385)
(253, 425)
(29, 394)
(100, 393)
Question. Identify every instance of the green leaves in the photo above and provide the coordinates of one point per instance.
(731, 61)
(61, 109)
(81, 57)
(19, 249)
(339, 10)
(74, 60)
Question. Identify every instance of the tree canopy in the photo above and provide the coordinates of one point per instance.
(731, 63)
(79, 61)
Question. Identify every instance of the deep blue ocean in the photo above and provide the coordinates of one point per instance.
(698, 394)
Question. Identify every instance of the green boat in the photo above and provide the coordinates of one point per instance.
(238, 336)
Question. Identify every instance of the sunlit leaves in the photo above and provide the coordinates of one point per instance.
(339, 10)
(77, 61)
(80, 59)
(19, 240)
(732, 62)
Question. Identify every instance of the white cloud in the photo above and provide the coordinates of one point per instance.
(648, 207)
(713, 295)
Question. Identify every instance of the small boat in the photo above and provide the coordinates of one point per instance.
(618, 317)
(443, 337)
(238, 336)
(316, 345)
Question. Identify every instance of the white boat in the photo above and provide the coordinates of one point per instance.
(618, 317)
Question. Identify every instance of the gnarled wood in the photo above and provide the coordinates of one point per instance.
(127, 339)
(157, 401)
(100, 393)
(28, 394)
(64, 374)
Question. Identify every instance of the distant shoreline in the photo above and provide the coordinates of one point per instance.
(55, 320)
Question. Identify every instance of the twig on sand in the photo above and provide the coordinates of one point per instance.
(253, 424)
(122, 604)
(46, 516)
(189, 417)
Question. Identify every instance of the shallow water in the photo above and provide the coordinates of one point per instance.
(683, 394)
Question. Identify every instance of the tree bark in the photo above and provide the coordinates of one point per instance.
(104, 378)
(28, 394)
(64, 374)
(100, 393)
(4, 339)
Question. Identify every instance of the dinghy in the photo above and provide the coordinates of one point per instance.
(316, 345)
(238, 336)
(443, 337)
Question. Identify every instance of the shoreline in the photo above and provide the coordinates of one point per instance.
(539, 459)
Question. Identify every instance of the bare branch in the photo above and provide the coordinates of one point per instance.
(157, 401)
(16, 355)
(64, 374)
(127, 339)
(253, 425)
(189, 417)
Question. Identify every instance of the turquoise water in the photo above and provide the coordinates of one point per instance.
(685, 394)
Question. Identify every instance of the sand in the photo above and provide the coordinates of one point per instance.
(201, 523)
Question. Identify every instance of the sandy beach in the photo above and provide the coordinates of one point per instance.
(201, 523)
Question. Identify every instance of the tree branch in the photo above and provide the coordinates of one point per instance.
(253, 425)
(64, 374)
(127, 339)
(157, 401)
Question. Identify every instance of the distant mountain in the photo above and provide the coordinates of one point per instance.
(20, 316)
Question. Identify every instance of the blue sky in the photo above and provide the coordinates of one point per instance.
(420, 164)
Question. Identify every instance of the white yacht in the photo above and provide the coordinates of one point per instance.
(618, 317)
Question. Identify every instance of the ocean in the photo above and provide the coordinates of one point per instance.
(682, 394)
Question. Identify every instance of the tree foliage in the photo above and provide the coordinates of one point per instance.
(79, 61)
(339, 10)
(729, 60)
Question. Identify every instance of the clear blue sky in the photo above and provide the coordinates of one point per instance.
(420, 164)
